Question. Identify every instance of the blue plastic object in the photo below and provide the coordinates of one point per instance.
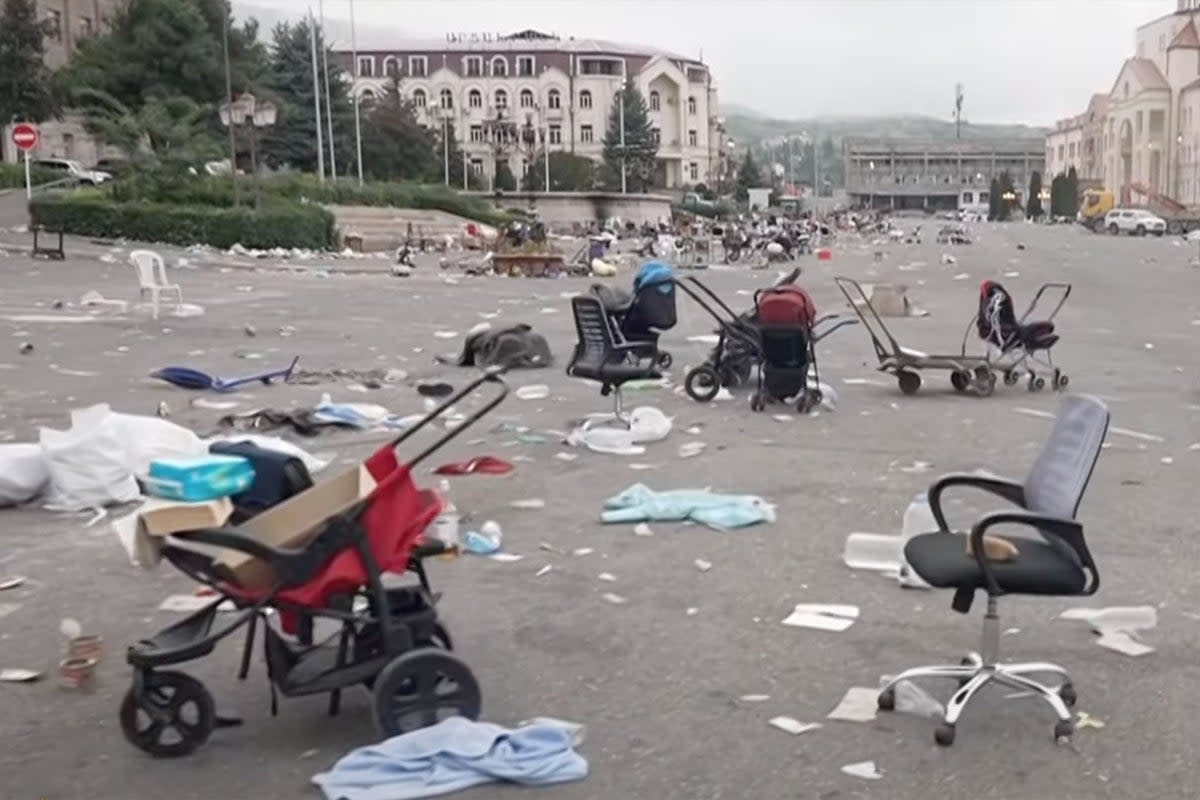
(195, 480)
(188, 378)
(656, 274)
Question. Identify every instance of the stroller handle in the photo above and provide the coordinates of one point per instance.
(492, 375)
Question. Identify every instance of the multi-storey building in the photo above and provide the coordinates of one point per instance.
(912, 174)
(498, 90)
(1079, 142)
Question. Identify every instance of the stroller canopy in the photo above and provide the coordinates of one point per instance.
(785, 305)
(655, 274)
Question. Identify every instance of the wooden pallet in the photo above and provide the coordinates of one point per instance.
(528, 265)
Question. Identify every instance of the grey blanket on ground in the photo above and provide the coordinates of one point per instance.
(515, 347)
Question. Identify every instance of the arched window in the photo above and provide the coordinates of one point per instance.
(554, 99)
(501, 98)
(585, 99)
(655, 101)
(420, 100)
(475, 98)
(391, 67)
(526, 98)
(367, 95)
(499, 67)
(691, 105)
(446, 98)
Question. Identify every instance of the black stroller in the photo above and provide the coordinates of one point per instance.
(1020, 343)
(640, 317)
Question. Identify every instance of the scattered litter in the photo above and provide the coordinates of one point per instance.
(528, 505)
(859, 705)
(542, 571)
(481, 465)
(1115, 618)
(8, 608)
(863, 769)
(583, 551)
(1086, 721)
(1167, 460)
(949, 259)
(962, 276)
(912, 699)
(213, 405)
(486, 541)
(19, 675)
(692, 611)
(792, 726)
(1149, 346)
(782, 417)
(642, 529)
(642, 467)
(708, 338)
(1145, 437)
(691, 449)
(26, 348)
(917, 467)
(702, 565)
(824, 617)
(566, 456)
(1124, 643)
(11, 583)
(1012, 274)
(505, 558)
(607, 577)
(755, 698)
(537, 391)
(874, 552)
(445, 334)
(695, 430)
(188, 603)
(615, 599)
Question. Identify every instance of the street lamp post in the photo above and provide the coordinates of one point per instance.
(247, 112)
(871, 183)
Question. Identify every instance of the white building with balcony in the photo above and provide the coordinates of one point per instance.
(561, 88)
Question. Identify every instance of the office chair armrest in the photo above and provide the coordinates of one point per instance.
(1066, 531)
(1010, 490)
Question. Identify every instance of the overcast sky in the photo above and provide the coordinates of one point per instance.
(1030, 61)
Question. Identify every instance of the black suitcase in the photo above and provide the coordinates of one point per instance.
(277, 476)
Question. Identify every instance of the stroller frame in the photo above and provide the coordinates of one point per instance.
(389, 639)
(1016, 356)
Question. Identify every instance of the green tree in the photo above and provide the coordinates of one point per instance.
(994, 201)
(1072, 192)
(452, 154)
(1033, 208)
(25, 87)
(1058, 196)
(569, 172)
(504, 181)
(171, 134)
(395, 145)
(640, 152)
(1006, 206)
(749, 176)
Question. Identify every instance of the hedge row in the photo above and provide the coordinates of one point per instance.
(12, 176)
(279, 225)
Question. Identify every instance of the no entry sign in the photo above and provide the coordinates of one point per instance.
(25, 136)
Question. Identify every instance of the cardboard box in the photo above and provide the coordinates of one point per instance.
(292, 523)
(141, 532)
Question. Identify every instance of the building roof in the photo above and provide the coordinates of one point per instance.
(1146, 72)
(1186, 38)
(526, 41)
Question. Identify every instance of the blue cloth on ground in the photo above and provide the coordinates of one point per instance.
(639, 503)
(453, 755)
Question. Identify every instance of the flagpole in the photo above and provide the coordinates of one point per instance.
(312, 36)
(328, 96)
(357, 115)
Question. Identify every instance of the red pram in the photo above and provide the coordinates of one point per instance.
(388, 639)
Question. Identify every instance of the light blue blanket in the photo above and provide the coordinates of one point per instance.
(640, 503)
(455, 754)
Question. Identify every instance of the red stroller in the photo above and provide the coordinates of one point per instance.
(388, 639)
(786, 318)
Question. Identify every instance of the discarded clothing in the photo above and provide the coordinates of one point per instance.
(639, 503)
(304, 421)
(516, 347)
(453, 755)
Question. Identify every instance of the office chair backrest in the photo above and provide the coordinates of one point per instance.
(1064, 466)
(596, 341)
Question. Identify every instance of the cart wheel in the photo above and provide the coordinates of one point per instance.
(1010, 377)
(960, 380)
(985, 383)
(170, 717)
(910, 381)
(1036, 383)
(421, 688)
(663, 361)
(702, 383)
(757, 403)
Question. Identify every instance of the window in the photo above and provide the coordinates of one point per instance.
(586, 136)
(554, 99)
(476, 166)
(692, 106)
(596, 66)
(366, 66)
(475, 99)
(477, 134)
(500, 67)
(501, 98)
(556, 134)
(69, 145)
(420, 100)
(656, 136)
(1071, 150)
(966, 198)
(585, 99)
(86, 27)
(525, 66)
(693, 171)
(1060, 152)
(391, 67)
(446, 99)
(526, 98)
(655, 101)
(474, 66)
(54, 25)
(418, 66)
(692, 138)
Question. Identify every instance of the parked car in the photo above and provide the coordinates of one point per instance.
(1134, 221)
(73, 169)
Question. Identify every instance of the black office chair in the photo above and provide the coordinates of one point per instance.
(598, 357)
(1059, 564)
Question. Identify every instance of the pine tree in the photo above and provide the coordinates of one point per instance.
(749, 176)
(504, 181)
(25, 89)
(1033, 208)
(1072, 192)
(640, 152)
(452, 154)
(568, 172)
(1006, 187)
(395, 145)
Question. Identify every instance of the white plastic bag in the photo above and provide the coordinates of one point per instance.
(649, 424)
(146, 438)
(88, 465)
(23, 473)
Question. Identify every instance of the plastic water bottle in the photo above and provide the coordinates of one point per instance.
(445, 527)
(918, 519)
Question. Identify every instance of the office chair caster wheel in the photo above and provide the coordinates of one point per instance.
(702, 384)
(663, 361)
(960, 380)
(170, 717)
(757, 403)
(1067, 693)
(421, 688)
(1063, 730)
(1011, 377)
(1036, 383)
(887, 700)
(943, 734)
(910, 381)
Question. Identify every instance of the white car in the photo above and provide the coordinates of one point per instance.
(1134, 221)
(74, 169)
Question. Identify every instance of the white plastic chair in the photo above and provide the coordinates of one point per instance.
(152, 278)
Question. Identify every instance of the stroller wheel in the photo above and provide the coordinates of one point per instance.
(757, 403)
(1010, 377)
(663, 361)
(702, 383)
(910, 381)
(1036, 383)
(1062, 382)
(809, 401)
(421, 688)
(171, 716)
(960, 380)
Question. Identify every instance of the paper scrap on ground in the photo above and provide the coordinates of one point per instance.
(1124, 643)
(19, 675)
(824, 617)
(874, 552)
(583, 551)
(1115, 618)
(793, 726)
(529, 505)
(863, 769)
(615, 599)
(755, 698)
(1086, 720)
(859, 705)
(642, 529)
(542, 571)
(11, 583)
(535, 391)
(702, 565)
(708, 338)
(505, 558)
(608, 577)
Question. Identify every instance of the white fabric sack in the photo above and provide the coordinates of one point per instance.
(23, 473)
(88, 465)
(145, 438)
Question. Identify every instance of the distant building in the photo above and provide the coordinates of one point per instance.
(500, 91)
(907, 174)
(1079, 142)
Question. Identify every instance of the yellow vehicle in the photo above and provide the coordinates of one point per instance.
(1096, 204)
